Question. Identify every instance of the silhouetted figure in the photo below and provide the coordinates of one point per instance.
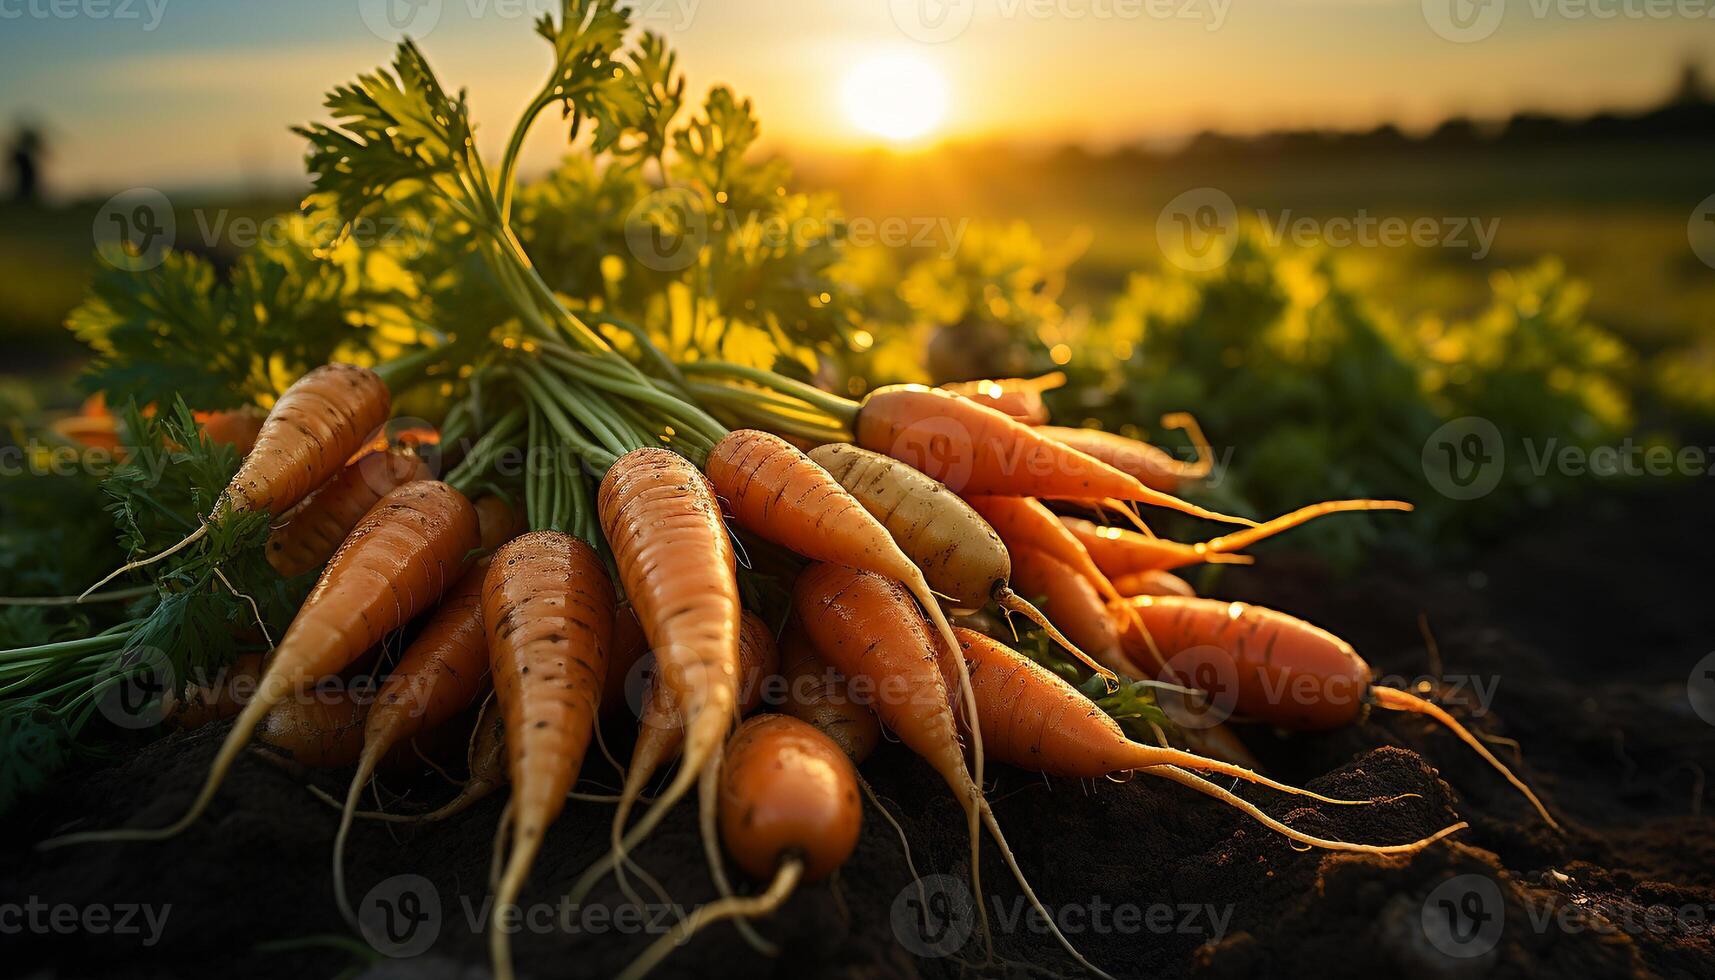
(25, 163)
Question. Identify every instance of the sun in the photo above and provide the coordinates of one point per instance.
(899, 97)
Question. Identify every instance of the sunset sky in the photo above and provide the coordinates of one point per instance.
(185, 92)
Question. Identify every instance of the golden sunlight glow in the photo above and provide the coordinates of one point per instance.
(900, 97)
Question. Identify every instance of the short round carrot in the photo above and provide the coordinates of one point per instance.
(547, 610)
(789, 812)
(820, 696)
(1283, 670)
(397, 562)
(1074, 605)
(1118, 551)
(1020, 398)
(313, 530)
(977, 450)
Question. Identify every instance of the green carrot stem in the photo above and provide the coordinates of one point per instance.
(842, 410)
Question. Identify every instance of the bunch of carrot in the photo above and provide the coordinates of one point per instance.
(939, 504)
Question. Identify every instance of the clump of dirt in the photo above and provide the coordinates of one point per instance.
(1586, 671)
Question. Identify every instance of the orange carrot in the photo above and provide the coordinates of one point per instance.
(313, 530)
(1051, 728)
(322, 729)
(1021, 398)
(398, 561)
(976, 450)
(629, 646)
(959, 555)
(442, 672)
(237, 427)
(680, 574)
(867, 627)
(1074, 605)
(547, 609)
(819, 695)
(1151, 465)
(1152, 582)
(497, 521)
(317, 424)
(1118, 551)
(781, 494)
(789, 812)
(1276, 668)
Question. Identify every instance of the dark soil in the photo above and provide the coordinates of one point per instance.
(1590, 622)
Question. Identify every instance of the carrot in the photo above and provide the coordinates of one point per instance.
(237, 427)
(1285, 671)
(442, 672)
(396, 563)
(547, 610)
(976, 450)
(1020, 398)
(817, 694)
(1051, 728)
(317, 424)
(1118, 551)
(1151, 465)
(497, 522)
(959, 554)
(677, 565)
(322, 729)
(776, 491)
(1152, 582)
(629, 646)
(485, 772)
(201, 704)
(789, 813)
(1074, 605)
(1025, 523)
(313, 530)
(867, 627)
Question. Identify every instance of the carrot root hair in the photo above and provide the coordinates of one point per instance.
(1205, 462)
(372, 754)
(1397, 700)
(1030, 895)
(1209, 789)
(732, 907)
(1240, 540)
(708, 795)
(131, 566)
(1012, 602)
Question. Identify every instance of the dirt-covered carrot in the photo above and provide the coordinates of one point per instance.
(1053, 729)
(820, 696)
(313, 530)
(1020, 398)
(789, 812)
(312, 431)
(679, 572)
(960, 555)
(776, 491)
(547, 609)
(1152, 582)
(976, 450)
(1285, 671)
(1074, 605)
(400, 559)
(866, 626)
(1151, 465)
(1118, 551)
(442, 672)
